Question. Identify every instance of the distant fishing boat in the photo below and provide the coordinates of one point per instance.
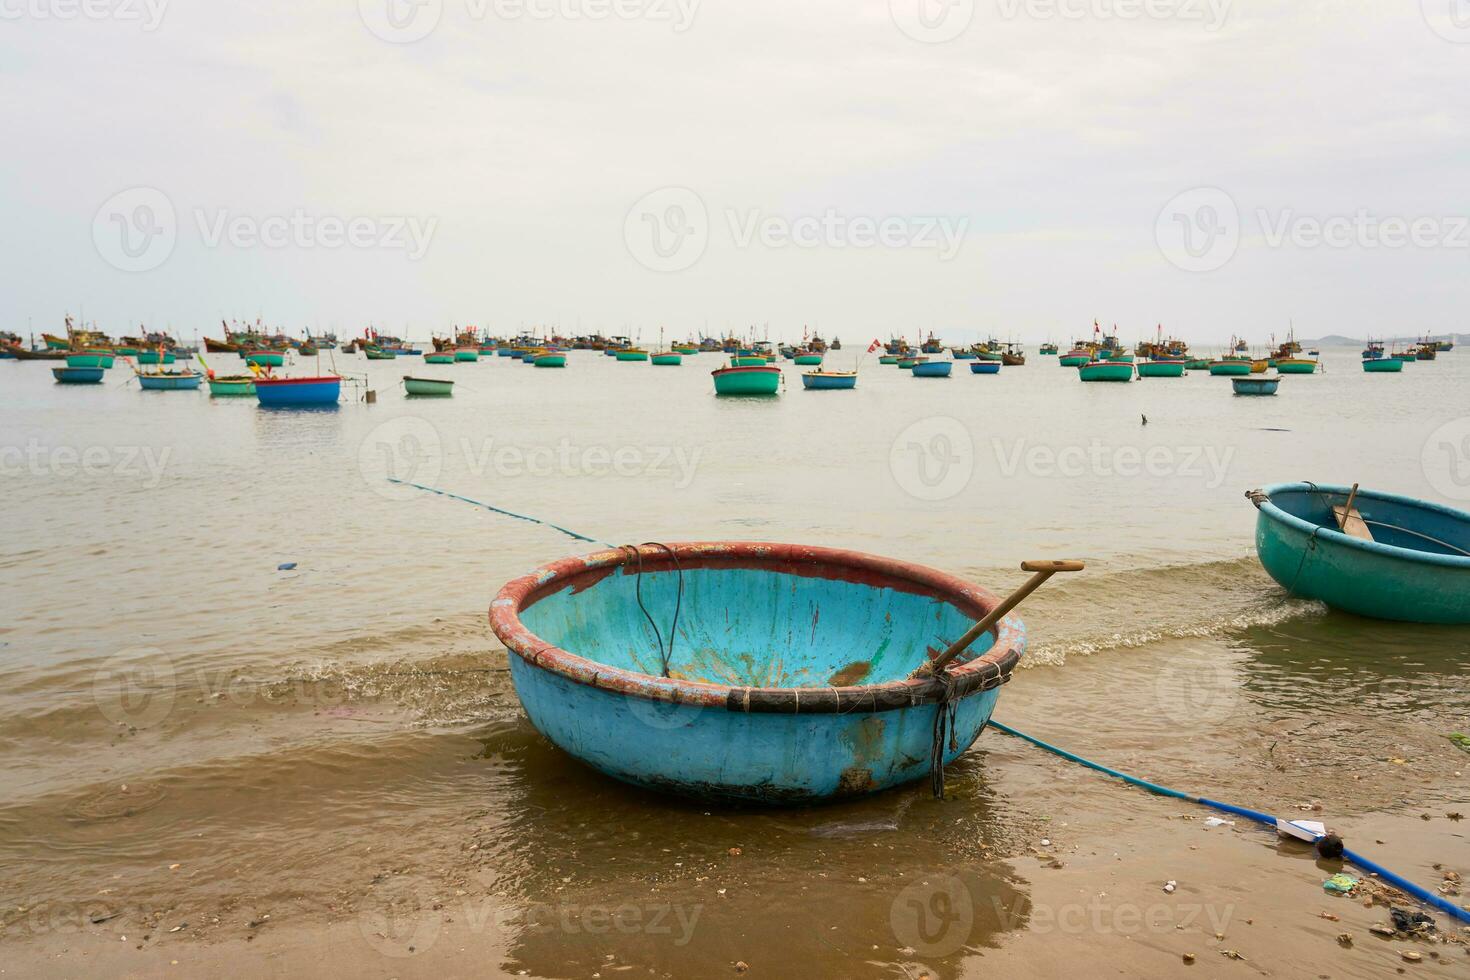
(1387, 365)
(1170, 368)
(1373, 351)
(907, 361)
(260, 358)
(962, 353)
(436, 357)
(1366, 552)
(298, 392)
(985, 367)
(437, 387)
(1405, 356)
(78, 375)
(467, 353)
(749, 360)
(668, 358)
(156, 357)
(762, 379)
(932, 345)
(685, 348)
(1012, 356)
(1106, 371)
(829, 380)
(232, 386)
(887, 358)
(1048, 348)
(775, 705)
(933, 369)
(1076, 357)
(808, 358)
(1197, 364)
(551, 359)
(632, 354)
(1295, 365)
(1255, 386)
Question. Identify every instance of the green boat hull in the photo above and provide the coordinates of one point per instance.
(467, 354)
(1197, 364)
(1377, 578)
(668, 360)
(632, 355)
(808, 360)
(224, 388)
(1296, 367)
(1161, 369)
(262, 359)
(737, 382)
(428, 386)
(1075, 362)
(89, 360)
(1387, 365)
(388, 355)
(1106, 371)
(888, 359)
(153, 357)
(1230, 368)
(551, 360)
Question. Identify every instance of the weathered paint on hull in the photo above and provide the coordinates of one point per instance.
(1388, 578)
(802, 700)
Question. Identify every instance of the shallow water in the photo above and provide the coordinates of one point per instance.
(343, 736)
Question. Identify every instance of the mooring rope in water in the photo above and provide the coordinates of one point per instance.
(499, 510)
(1372, 867)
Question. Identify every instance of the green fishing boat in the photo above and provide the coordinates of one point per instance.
(439, 357)
(1197, 364)
(90, 358)
(669, 358)
(233, 386)
(685, 349)
(632, 354)
(1161, 369)
(1387, 365)
(1229, 367)
(156, 357)
(761, 379)
(260, 358)
(437, 387)
(467, 353)
(1048, 349)
(1075, 358)
(1106, 371)
(551, 359)
(808, 358)
(748, 360)
(1120, 355)
(1295, 365)
(888, 359)
(378, 354)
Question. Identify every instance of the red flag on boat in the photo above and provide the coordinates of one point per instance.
(873, 346)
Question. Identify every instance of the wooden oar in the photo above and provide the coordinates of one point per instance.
(1042, 570)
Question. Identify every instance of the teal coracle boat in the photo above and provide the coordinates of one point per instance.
(170, 380)
(1229, 368)
(1255, 386)
(156, 357)
(467, 353)
(985, 367)
(1295, 365)
(237, 386)
(78, 375)
(551, 359)
(631, 661)
(808, 359)
(1388, 365)
(262, 358)
(1196, 364)
(887, 358)
(632, 354)
(1394, 558)
(1161, 369)
(90, 358)
(439, 357)
(755, 379)
(829, 380)
(668, 359)
(1106, 371)
(435, 387)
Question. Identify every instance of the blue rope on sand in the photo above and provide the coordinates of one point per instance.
(498, 510)
(1402, 884)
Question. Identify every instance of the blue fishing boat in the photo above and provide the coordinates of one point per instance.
(933, 369)
(298, 392)
(1366, 552)
(985, 367)
(773, 673)
(1255, 386)
(78, 375)
(829, 380)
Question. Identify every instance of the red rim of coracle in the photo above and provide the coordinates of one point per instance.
(582, 571)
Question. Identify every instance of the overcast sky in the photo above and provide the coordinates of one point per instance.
(866, 167)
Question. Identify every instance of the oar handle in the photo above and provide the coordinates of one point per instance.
(1041, 571)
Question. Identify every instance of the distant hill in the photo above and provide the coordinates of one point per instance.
(1334, 340)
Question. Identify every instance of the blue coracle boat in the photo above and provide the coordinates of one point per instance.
(933, 369)
(170, 380)
(773, 673)
(296, 392)
(829, 380)
(985, 367)
(1392, 558)
(1255, 386)
(78, 375)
